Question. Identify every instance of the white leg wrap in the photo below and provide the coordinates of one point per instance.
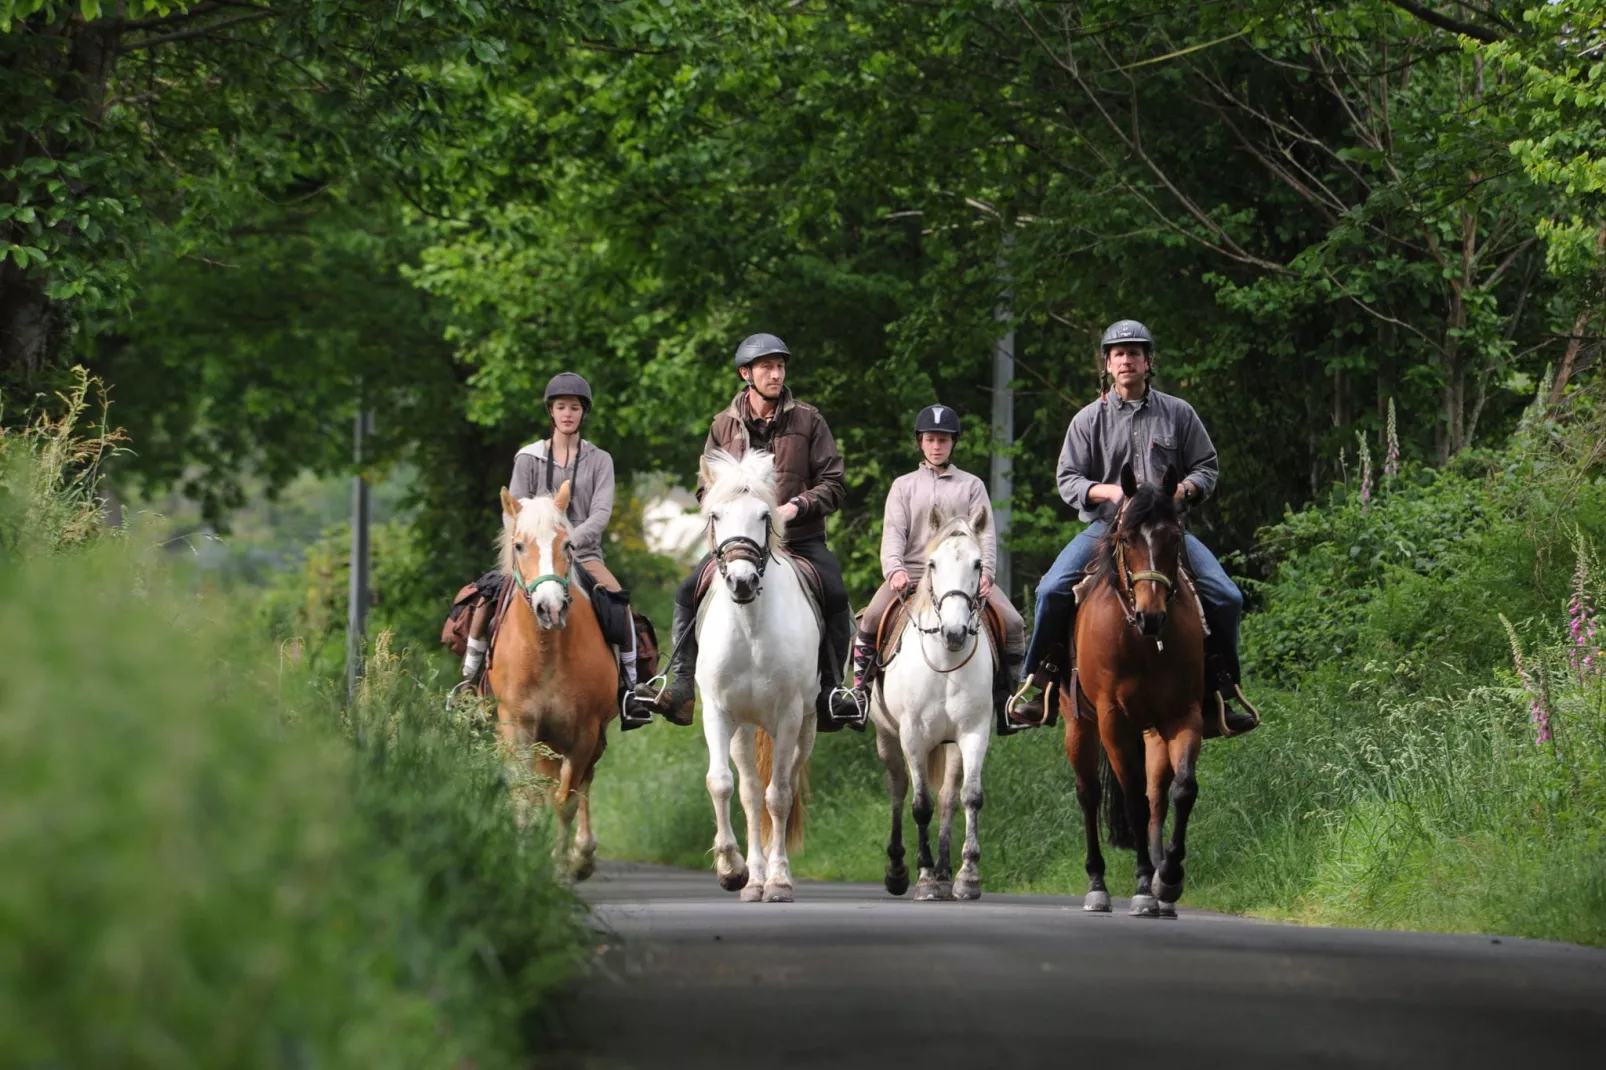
(475, 657)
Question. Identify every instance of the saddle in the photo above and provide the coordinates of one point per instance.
(889, 632)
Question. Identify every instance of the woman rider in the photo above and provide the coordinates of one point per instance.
(539, 470)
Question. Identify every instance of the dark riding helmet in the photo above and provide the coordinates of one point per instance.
(937, 418)
(569, 385)
(1127, 331)
(756, 347)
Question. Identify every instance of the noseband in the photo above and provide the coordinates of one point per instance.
(1128, 581)
(530, 585)
(741, 548)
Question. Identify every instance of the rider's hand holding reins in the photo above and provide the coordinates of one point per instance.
(899, 581)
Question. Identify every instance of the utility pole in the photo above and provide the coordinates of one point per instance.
(357, 592)
(1003, 485)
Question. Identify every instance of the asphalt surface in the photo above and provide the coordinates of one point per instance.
(849, 977)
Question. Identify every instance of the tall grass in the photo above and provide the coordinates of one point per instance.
(208, 859)
(1400, 778)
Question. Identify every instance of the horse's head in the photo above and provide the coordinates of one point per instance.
(743, 528)
(1146, 547)
(953, 574)
(535, 553)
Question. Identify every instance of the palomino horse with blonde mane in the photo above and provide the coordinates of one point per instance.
(757, 631)
(933, 710)
(552, 672)
(1140, 694)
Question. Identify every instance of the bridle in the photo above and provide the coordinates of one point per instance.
(529, 586)
(1127, 581)
(741, 548)
(973, 605)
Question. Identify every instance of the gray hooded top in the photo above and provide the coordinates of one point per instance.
(590, 493)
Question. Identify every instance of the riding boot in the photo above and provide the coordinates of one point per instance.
(1222, 674)
(675, 702)
(851, 705)
(1005, 680)
(833, 652)
(1035, 711)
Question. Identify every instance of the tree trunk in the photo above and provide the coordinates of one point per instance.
(1575, 342)
(73, 61)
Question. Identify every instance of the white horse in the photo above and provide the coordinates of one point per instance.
(757, 634)
(933, 712)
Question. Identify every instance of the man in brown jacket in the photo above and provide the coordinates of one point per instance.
(808, 482)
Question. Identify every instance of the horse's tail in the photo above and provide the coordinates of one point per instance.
(797, 818)
(1117, 824)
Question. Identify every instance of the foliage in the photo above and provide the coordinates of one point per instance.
(211, 858)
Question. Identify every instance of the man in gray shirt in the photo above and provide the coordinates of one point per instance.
(1135, 423)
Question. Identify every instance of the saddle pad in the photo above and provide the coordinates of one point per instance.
(889, 637)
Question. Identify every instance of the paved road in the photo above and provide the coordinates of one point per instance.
(850, 977)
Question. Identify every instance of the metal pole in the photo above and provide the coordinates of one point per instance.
(357, 592)
(1003, 485)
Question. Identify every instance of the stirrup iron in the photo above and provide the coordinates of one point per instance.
(861, 702)
(1019, 696)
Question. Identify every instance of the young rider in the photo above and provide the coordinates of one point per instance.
(904, 534)
(808, 481)
(539, 470)
(1134, 422)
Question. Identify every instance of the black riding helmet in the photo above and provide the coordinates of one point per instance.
(1127, 331)
(937, 418)
(756, 347)
(568, 385)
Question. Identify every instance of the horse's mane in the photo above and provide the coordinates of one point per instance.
(727, 477)
(539, 521)
(1150, 505)
(920, 602)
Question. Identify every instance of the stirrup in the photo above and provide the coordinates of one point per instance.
(627, 720)
(470, 684)
(662, 682)
(1221, 713)
(1019, 696)
(861, 702)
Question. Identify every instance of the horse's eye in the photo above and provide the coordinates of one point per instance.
(714, 517)
(518, 547)
(976, 565)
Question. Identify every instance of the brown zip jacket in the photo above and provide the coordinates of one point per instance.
(808, 467)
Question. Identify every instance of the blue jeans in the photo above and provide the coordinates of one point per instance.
(1055, 610)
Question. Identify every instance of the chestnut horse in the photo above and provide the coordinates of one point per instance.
(552, 672)
(1140, 673)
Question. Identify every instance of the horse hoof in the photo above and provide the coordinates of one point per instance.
(777, 893)
(734, 882)
(1167, 893)
(1144, 906)
(1168, 910)
(585, 868)
(897, 881)
(933, 892)
(967, 889)
(1096, 902)
(753, 893)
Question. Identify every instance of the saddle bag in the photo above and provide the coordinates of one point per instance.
(483, 591)
(613, 613)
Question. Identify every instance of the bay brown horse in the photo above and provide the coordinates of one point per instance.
(1140, 695)
(552, 672)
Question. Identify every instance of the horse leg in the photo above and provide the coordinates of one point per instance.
(721, 785)
(944, 765)
(778, 797)
(915, 753)
(744, 750)
(1082, 748)
(1129, 772)
(886, 746)
(973, 750)
(1157, 763)
(1184, 748)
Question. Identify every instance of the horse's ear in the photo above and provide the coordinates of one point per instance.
(705, 474)
(1169, 483)
(978, 522)
(510, 505)
(934, 519)
(1129, 482)
(561, 498)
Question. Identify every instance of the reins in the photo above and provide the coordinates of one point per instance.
(1126, 582)
(973, 604)
(742, 548)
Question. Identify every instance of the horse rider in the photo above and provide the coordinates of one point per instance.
(540, 469)
(905, 531)
(1135, 422)
(808, 481)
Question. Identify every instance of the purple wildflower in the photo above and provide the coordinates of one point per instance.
(1366, 468)
(1391, 458)
(1538, 706)
(1582, 623)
